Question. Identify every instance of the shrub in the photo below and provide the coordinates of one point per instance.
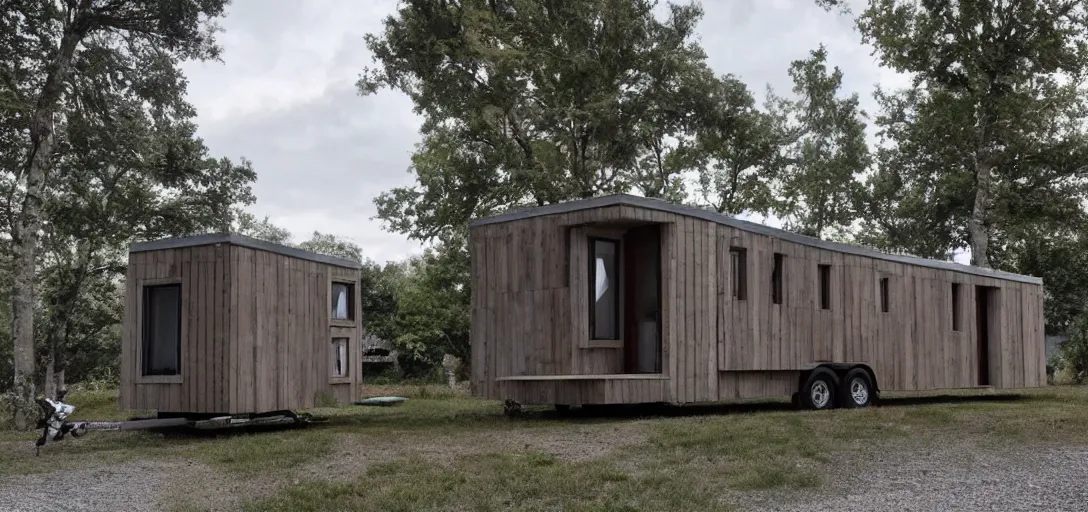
(1074, 353)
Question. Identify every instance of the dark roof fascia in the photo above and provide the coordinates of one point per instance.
(241, 241)
(664, 206)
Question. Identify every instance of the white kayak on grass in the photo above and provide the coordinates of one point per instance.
(382, 400)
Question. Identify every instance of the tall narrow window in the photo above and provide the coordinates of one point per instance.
(340, 357)
(161, 343)
(605, 290)
(738, 258)
(957, 321)
(825, 286)
(776, 278)
(884, 295)
(343, 300)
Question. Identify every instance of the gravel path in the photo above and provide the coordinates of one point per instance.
(131, 486)
(952, 477)
(956, 476)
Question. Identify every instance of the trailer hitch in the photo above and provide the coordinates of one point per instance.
(55, 425)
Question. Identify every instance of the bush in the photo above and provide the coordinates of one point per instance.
(1074, 353)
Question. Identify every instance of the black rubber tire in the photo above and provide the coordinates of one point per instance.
(817, 376)
(846, 398)
(511, 409)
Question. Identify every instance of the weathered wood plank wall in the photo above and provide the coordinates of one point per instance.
(912, 346)
(530, 304)
(256, 331)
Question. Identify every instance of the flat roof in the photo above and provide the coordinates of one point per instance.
(241, 241)
(690, 211)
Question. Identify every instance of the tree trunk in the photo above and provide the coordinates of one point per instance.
(54, 365)
(50, 380)
(976, 226)
(28, 223)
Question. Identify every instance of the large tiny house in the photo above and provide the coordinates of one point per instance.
(225, 324)
(624, 299)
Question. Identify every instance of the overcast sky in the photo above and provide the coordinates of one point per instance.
(284, 97)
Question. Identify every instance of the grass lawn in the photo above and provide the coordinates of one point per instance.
(441, 451)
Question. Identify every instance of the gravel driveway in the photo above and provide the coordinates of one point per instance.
(957, 477)
(949, 477)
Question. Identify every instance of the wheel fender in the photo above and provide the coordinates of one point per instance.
(872, 378)
(824, 370)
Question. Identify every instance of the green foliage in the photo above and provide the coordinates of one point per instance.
(735, 152)
(100, 150)
(246, 223)
(382, 285)
(989, 142)
(1074, 352)
(533, 103)
(823, 150)
(433, 310)
(331, 245)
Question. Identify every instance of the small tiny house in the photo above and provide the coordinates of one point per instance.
(624, 299)
(227, 324)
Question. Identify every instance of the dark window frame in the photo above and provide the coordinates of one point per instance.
(957, 307)
(738, 272)
(824, 274)
(615, 290)
(346, 366)
(351, 300)
(146, 328)
(777, 278)
(885, 295)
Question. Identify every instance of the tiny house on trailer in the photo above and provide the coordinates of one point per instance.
(225, 324)
(623, 299)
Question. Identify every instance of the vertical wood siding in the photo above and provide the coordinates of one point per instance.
(256, 333)
(530, 304)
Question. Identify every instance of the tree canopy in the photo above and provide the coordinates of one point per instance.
(528, 102)
(96, 129)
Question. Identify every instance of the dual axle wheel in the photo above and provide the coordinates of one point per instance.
(824, 390)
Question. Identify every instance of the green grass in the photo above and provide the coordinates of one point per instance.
(441, 450)
(497, 481)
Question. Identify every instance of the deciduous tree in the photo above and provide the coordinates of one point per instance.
(821, 150)
(529, 102)
(734, 151)
(60, 53)
(994, 125)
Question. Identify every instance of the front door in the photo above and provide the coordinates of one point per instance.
(642, 300)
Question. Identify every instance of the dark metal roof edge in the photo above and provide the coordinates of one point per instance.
(241, 241)
(665, 206)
